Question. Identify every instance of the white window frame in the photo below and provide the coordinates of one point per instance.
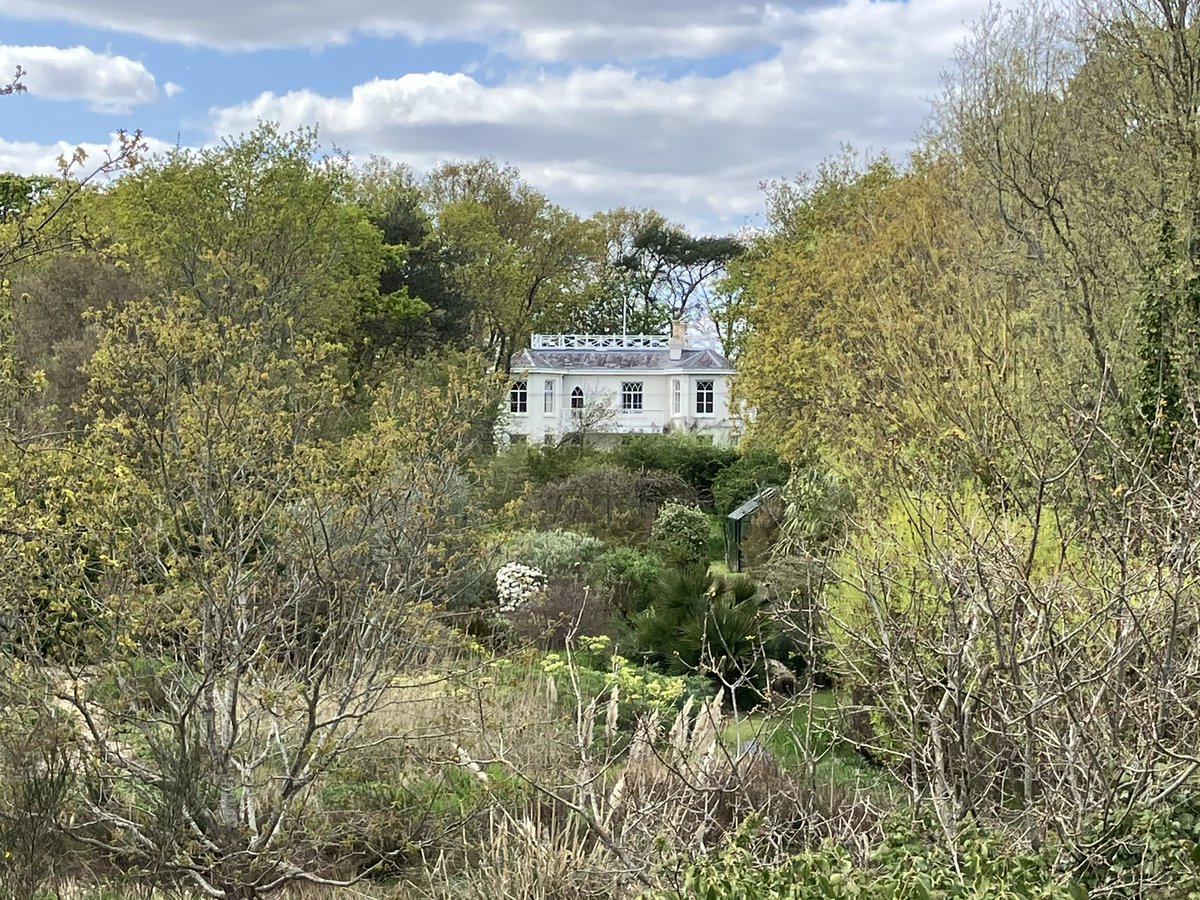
(518, 398)
(706, 396)
(676, 396)
(633, 397)
(577, 394)
(548, 396)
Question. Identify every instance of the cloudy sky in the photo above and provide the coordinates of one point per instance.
(682, 106)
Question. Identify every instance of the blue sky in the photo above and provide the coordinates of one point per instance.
(683, 106)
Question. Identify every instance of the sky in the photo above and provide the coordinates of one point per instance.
(685, 106)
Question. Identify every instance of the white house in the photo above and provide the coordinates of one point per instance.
(599, 387)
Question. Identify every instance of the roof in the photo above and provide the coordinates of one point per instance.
(753, 503)
(620, 360)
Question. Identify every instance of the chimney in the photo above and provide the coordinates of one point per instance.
(678, 340)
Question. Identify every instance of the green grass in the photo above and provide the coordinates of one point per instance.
(806, 731)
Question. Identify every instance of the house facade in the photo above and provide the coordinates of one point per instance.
(597, 388)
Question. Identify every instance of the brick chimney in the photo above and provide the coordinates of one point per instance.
(678, 341)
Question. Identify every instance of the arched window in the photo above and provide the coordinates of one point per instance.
(577, 398)
(518, 397)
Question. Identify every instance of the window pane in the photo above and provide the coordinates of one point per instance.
(704, 396)
(577, 398)
(675, 392)
(548, 397)
(631, 396)
(518, 397)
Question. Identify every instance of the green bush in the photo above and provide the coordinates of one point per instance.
(754, 470)
(640, 689)
(714, 624)
(680, 535)
(608, 501)
(555, 552)
(630, 577)
(694, 458)
(906, 867)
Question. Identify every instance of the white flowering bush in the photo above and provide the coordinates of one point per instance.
(517, 584)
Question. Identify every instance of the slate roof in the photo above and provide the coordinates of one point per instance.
(619, 360)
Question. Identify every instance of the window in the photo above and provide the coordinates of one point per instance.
(704, 397)
(675, 396)
(631, 396)
(577, 398)
(548, 396)
(518, 397)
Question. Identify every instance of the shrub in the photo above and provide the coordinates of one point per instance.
(555, 552)
(565, 607)
(680, 535)
(754, 470)
(716, 625)
(630, 578)
(694, 458)
(608, 502)
(639, 689)
(906, 866)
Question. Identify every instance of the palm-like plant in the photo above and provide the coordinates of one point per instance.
(709, 624)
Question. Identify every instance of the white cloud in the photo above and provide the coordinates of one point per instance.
(544, 29)
(695, 147)
(171, 89)
(33, 158)
(107, 83)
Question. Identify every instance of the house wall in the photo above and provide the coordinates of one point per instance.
(603, 420)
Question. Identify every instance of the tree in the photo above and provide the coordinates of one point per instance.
(873, 333)
(419, 306)
(258, 229)
(519, 257)
(671, 270)
(20, 192)
(1077, 126)
(221, 596)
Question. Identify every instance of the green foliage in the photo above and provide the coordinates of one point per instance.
(906, 867)
(1167, 322)
(710, 624)
(694, 458)
(252, 230)
(631, 577)
(1141, 852)
(681, 535)
(639, 689)
(20, 192)
(382, 808)
(612, 503)
(753, 470)
(518, 256)
(557, 552)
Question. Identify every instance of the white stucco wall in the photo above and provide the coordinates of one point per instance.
(603, 415)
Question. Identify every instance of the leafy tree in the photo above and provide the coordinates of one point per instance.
(519, 257)
(221, 594)
(419, 306)
(874, 334)
(257, 229)
(18, 193)
(670, 270)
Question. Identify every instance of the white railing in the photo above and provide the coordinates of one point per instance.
(599, 341)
